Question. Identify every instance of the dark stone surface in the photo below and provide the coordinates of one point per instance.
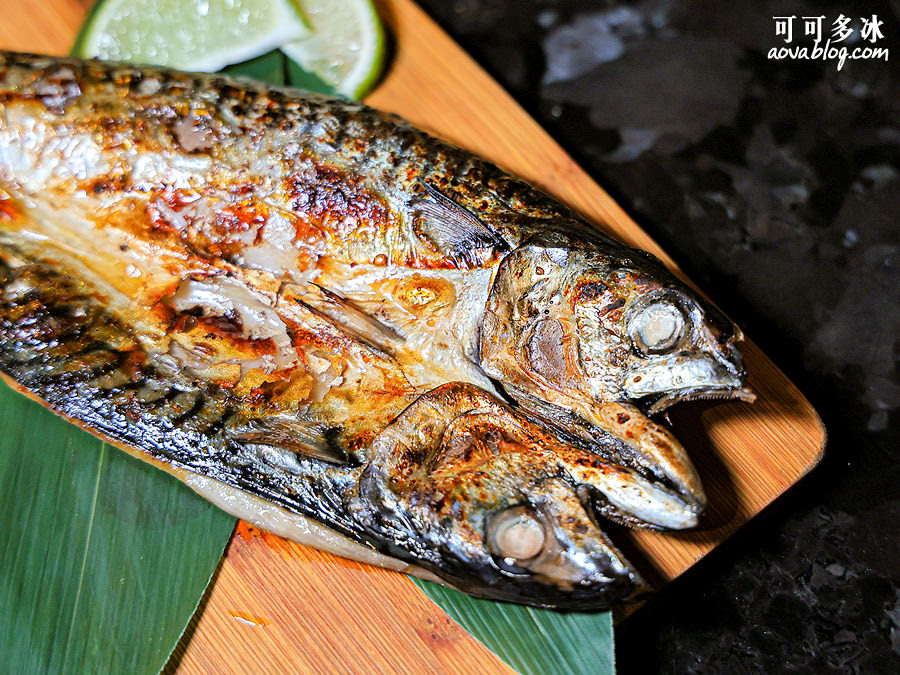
(776, 186)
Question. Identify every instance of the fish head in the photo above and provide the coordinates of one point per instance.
(665, 343)
(496, 507)
(588, 322)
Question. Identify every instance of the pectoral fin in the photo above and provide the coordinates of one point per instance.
(454, 230)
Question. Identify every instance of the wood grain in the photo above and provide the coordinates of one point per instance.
(279, 606)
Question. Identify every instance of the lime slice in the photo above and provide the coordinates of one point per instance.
(203, 35)
(345, 47)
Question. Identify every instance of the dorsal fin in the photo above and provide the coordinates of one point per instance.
(455, 231)
(296, 436)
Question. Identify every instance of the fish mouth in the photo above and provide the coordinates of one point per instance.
(644, 502)
(675, 379)
(653, 405)
(659, 469)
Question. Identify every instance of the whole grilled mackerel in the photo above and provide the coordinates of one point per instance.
(345, 330)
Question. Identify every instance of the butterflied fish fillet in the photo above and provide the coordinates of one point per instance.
(345, 330)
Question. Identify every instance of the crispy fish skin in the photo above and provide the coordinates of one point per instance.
(430, 504)
(314, 303)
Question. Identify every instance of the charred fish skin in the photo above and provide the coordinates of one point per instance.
(411, 501)
(323, 271)
(61, 345)
(311, 188)
(488, 492)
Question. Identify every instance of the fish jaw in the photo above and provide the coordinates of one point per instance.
(678, 379)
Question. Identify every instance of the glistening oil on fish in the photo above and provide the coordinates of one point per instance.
(345, 330)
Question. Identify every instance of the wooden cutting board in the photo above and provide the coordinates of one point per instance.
(277, 606)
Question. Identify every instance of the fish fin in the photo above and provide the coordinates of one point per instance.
(361, 325)
(313, 440)
(455, 231)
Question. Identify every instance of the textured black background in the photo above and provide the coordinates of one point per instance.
(776, 186)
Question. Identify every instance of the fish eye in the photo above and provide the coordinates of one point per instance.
(516, 534)
(658, 328)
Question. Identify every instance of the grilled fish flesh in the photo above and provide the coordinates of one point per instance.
(345, 330)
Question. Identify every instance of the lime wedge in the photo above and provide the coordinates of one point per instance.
(345, 47)
(204, 35)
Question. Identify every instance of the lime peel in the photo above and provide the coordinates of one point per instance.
(203, 35)
(346, 46)
(341, 42)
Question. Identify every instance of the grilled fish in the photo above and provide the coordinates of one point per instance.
(345, 330)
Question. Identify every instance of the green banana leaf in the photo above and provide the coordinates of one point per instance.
(103, 558)
(276, 68)
(533, 641)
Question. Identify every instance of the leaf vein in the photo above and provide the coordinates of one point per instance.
(87, 546)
